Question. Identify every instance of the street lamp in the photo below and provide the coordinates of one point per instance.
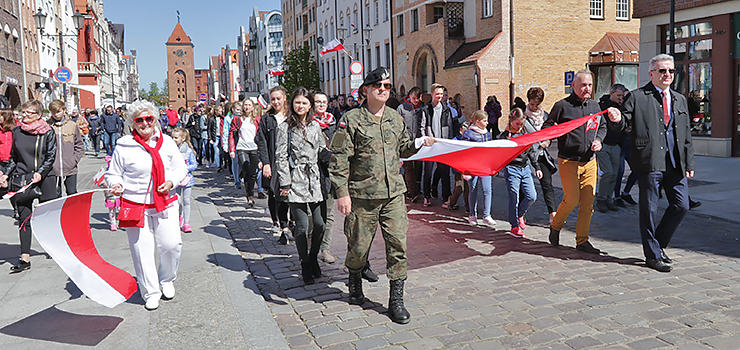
(79, 20)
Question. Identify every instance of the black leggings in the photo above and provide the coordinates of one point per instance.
(70, 185)
(299, 213)
(25, 209)
(278, 209)
(548, 192)
(248, 161)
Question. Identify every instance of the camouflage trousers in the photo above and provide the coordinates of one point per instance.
(360, 227)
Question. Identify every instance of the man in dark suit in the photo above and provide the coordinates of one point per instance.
(662, 156)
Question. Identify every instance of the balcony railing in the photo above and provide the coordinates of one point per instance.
(87, 68)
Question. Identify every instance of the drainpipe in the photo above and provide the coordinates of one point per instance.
(511, 53)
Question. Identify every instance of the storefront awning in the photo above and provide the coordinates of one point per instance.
(616, 47)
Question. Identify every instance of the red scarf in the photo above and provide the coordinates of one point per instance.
(39, 127)
(161, 200)
(409, 101)
(325, 120)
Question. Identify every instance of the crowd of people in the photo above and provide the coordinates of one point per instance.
(307, 153)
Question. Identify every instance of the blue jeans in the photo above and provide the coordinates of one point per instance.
(519, 180)
(235, 171)
(475, 183)
(109, 141)
(217, 153)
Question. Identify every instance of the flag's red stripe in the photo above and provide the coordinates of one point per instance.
(554, 131)
(479, 161)
(76, 230)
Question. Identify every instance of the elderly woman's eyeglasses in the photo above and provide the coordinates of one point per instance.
(140, 120)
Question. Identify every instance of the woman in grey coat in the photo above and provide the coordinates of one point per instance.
(298, 148)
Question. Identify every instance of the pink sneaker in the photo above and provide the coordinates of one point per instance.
(186, 228)
(517, 232)
(522, 224)
(113, 227)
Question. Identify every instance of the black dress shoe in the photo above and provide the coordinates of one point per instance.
(694, 204)
(554, 237)
(602, 207)
(588, 248)
(658, 265)
(261, 195)
(368, 274)
(20, 266)
(628, 198)
(283, 240)
(664, 257)
(620, 203)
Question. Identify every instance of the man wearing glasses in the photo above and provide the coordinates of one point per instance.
(367, 147)
(662, 156)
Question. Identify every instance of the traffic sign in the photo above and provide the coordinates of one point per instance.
(63, 75)
(202, 97)
(356, 67)
(355, 81)
(569, 76)
(355, 94)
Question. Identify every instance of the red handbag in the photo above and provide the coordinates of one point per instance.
(131, 214)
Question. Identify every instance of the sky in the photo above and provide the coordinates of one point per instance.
(211, 25)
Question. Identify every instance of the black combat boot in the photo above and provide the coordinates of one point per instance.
(368, 274)
(355, 289)
(396, 309)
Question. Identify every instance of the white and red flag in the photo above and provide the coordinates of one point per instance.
(488, 158)
(262, 102)
(100, 176)
(62, 227)
(334, 45)
(275, 72)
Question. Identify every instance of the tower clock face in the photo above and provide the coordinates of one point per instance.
(179, 53)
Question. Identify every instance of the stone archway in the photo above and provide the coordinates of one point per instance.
(424, 67)
(11, 92)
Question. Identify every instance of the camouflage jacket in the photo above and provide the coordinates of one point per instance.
(366, 154)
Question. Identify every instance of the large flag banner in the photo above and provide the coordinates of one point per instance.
(62, 227)
(334, 45)
(488, 158)
(275, 72)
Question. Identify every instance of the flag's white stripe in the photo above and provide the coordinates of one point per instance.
(450, 146)
(48, 232)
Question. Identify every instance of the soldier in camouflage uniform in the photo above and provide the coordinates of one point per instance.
(367, 148)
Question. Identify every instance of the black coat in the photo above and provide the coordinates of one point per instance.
(643, 110)
(32, 153)
(266, 138)
(576, 145)
(193, 125)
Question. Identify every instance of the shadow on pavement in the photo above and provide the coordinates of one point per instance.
(59, 326)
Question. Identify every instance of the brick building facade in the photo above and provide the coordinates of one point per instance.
(705, 32)
(180, 69)
(11, 54)
(466, 45)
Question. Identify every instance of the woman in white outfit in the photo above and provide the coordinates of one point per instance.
(144, 167)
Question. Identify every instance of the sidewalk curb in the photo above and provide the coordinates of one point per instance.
(255, 319)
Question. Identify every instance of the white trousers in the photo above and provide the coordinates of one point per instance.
(164, 227)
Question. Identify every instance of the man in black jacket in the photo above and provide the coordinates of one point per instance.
(662, 155)
(112, 125)
(576, 159)
(437, 122)
(609, 156)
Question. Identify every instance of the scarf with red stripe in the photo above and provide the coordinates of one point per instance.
(326, 120)
(409, 101)
(161, 200)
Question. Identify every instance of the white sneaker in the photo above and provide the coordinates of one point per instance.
(473, 220)
(489, 221)
(152, 304)
(168, 291)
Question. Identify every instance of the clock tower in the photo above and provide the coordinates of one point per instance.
(180, 69)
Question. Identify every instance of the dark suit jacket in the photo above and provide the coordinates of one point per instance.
(643, 110)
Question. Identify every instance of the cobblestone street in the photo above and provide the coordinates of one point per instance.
(478, 288)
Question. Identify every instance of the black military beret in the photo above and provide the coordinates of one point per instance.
(378, 74)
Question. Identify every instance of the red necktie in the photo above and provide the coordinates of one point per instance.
(666, 113)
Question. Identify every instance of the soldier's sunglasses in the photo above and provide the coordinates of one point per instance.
(377, 85)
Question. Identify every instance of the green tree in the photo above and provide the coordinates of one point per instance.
(301, 69)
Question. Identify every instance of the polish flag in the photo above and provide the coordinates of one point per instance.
(262, 102)
(11, 194)
(275, 72)
(488, 158)
(62, 227)
(334, 45)
(100, 176)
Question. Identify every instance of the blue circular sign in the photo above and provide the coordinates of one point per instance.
(63, 75)
(202, 97)
(355, 94)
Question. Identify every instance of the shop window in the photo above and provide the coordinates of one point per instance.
(596, 9)
(693, 79)
(623, 10)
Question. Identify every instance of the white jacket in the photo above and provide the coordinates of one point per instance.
(131, 166)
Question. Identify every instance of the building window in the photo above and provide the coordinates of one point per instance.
(693, 79)
(377, 11)
(369, 60)
(623, 7)
(342, 68)
(386, 10)
(400, 25)
(367, 14)
(597, 9)
(487, 8)
(414, 20)
(377, 56)
(439, 12)
(334, 69)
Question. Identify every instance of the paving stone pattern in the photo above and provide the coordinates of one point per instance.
(479, 288)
